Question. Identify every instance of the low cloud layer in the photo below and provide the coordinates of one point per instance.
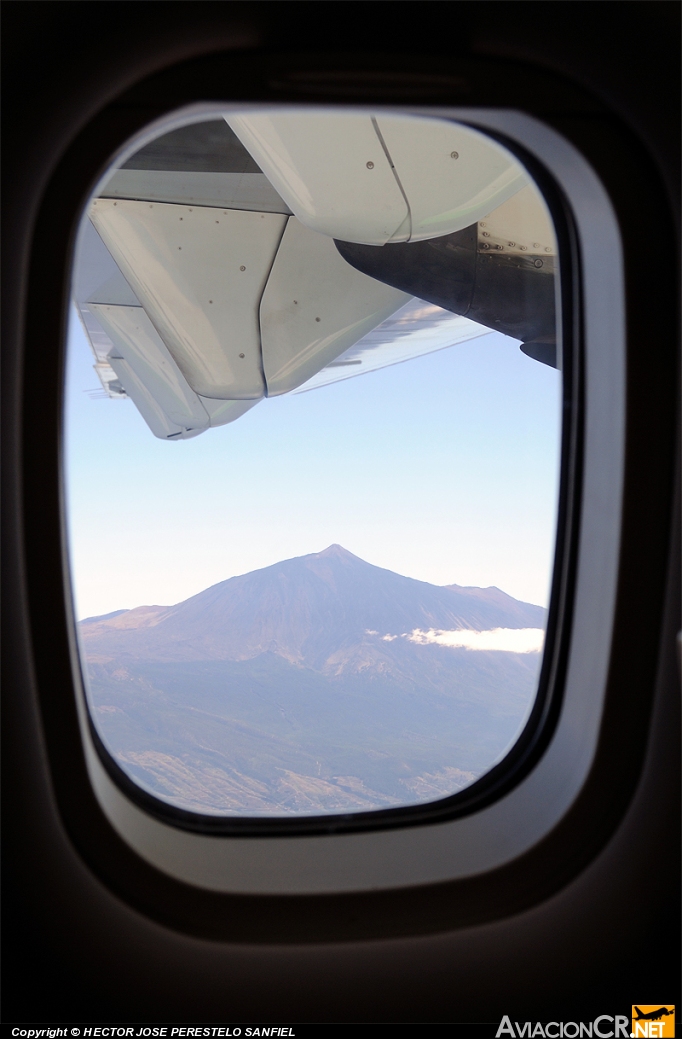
(507, 640)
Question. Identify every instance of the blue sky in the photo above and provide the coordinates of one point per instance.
(443, 468)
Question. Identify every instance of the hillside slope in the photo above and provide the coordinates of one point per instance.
(299, 688)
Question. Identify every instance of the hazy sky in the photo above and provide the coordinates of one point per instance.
(442, 468)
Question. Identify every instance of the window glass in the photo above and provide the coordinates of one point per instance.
(313, 410)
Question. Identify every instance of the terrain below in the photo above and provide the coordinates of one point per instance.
(319, 684)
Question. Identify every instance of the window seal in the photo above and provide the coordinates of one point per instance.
(497, 786)
(543, 717)
(598, 143)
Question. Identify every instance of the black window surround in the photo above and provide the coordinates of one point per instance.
(44, 557)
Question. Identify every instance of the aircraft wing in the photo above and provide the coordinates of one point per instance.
(416, 329)
(222, 264)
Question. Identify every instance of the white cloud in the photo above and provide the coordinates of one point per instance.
(510, 640)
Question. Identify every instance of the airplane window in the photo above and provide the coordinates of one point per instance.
(312, 455)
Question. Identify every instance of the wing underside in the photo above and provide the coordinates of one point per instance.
(223, 264)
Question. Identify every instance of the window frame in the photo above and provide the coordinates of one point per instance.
(88, 919)
(54, 789)
(491, 823)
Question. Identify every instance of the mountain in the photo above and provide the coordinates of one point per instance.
(303, 610)
(300, 688)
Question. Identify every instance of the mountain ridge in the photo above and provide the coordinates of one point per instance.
(300, 688)
(304, 609)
